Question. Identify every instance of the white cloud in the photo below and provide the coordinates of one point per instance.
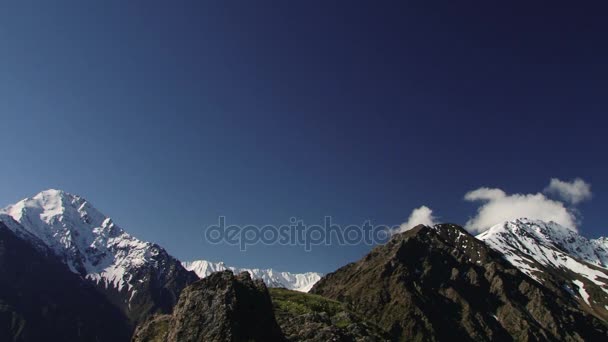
(422, 215)
(499, 207)
(482, 194)
(574, 192)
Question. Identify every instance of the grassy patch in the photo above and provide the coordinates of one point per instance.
(290, 304)
(342, 323)
(299, 303)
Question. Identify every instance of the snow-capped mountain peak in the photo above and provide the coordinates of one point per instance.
(139, 277)
(294, 281)
(538, 248)
(532, 234)
(85, 239)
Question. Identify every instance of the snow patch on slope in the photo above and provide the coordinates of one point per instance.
(581, 290)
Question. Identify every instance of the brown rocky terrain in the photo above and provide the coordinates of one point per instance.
(438, 283)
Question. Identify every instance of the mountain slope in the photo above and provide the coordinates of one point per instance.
(41, 300)
(556, 256)
(434, 283)
(139, 277)
(302, 282)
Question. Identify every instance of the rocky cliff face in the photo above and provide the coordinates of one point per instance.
(434, 283)
(220, 307)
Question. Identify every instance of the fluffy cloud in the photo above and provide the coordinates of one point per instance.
(498, 207)
(422, 215)
(485, 194)
(574, 192)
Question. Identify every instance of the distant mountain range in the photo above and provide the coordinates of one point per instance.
(68, 272)
(302, 282)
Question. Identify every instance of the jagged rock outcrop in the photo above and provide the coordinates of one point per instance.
(220, 307)
(436, 283)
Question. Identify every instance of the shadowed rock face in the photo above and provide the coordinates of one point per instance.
(41, 300)
(221, 307)
(432, 284)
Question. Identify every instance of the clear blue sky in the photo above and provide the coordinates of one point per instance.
(166, 116)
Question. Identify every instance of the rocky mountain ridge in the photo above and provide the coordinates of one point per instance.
(431, 283)
(520, 280)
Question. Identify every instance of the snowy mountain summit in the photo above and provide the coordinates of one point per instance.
(84, 238)
(550, 235)
(138, 276)
(93, 246)
(302, 282)
(547, 250)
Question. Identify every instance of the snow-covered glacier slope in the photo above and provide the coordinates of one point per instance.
(542, 249)
(294, 281)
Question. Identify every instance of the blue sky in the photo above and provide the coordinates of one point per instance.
(166, 117)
